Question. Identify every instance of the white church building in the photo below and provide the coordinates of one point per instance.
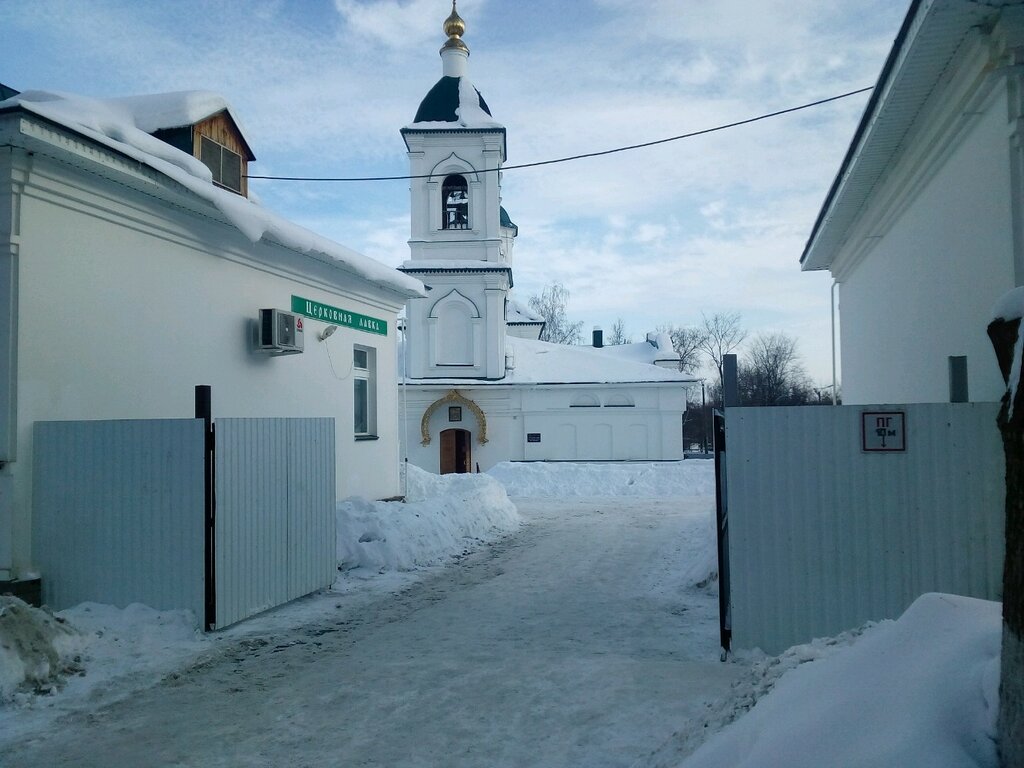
(478, 387)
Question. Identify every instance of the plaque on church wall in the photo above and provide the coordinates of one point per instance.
(454, 413)
(533, 437)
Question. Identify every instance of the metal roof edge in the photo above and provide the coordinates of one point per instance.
(865, 120)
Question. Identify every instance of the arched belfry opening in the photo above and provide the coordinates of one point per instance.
(455, 197)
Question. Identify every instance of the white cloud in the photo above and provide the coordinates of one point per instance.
(653, 236)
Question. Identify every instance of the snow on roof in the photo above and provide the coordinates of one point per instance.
(520, 313)
(541, 362)
(159, 111)
(124, 126)
(453, 102)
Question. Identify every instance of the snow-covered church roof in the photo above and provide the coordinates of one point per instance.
(125, 125)
(541, 362)
(520, 313)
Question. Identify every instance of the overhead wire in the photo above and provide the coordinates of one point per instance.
(600, 153)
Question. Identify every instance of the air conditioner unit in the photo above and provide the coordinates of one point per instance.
(279, 332)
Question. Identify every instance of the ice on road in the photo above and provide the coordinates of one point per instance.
(578, 641)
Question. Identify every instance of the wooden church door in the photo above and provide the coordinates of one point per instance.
(456, 451)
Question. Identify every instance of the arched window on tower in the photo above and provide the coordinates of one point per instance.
(455, 194)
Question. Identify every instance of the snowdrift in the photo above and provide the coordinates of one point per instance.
(918, 691)
(38, 650)
(443, 516)
(641, 479)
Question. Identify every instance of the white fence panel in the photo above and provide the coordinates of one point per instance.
(118, 512)
(825, 536)
(275, 523)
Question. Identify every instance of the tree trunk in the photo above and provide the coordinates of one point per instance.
(1011, 424)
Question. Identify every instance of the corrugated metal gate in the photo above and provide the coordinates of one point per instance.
(825, 535)
(275, 524)
(119, 514)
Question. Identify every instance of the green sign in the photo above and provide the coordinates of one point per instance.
(338, 316)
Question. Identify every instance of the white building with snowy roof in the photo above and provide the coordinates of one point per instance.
(478, 385)
(133, 267)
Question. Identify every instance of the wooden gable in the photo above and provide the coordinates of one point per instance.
(222, 130)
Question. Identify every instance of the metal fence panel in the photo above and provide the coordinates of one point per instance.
(118, 512)
(825, 536)
(275, 521)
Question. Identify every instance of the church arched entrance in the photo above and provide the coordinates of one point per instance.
(456, 451)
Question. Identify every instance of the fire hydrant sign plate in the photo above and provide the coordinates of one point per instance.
(883, 431)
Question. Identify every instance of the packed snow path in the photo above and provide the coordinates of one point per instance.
(575, 642)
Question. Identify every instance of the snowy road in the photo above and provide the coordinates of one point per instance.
(574, 642)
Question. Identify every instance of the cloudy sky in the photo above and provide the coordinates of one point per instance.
(655, 236)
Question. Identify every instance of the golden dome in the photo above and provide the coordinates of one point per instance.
(455, 28)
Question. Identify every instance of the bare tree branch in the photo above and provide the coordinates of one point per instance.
(722, 335)
(618, 334)
(688, 344)
(551, 306)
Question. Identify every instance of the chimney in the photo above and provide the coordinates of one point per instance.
(598, 337)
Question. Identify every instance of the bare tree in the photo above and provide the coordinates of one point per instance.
(722, 335)
(551, 306)
(773, 374)
(618, 334)
(688, 344)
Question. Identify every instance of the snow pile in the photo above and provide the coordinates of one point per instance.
(37, 649)
(918, 691)
(136, 637)
(650, 479)
(442, 516)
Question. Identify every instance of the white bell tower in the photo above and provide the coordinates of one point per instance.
(459, 246)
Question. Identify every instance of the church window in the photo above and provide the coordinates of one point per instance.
(585, 401)
(364, 392)
(455, 194)
(620, 401)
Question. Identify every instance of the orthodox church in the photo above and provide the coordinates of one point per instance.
(478, 387)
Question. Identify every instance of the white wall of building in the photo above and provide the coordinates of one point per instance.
(126, 303)
(931, 270)
(606, 432)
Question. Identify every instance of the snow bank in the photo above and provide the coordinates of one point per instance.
(38, 650)
(918, 691)
(442, 515)
(556, 480)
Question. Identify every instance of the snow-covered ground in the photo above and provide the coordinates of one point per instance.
(579, 630)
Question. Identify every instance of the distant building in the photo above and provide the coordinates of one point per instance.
(479, 387)
(133, 268)
(923, 228)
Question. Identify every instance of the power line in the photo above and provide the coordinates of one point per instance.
(601, 153)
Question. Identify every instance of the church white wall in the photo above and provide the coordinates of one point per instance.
(651, 430)
(924, 288)
(125, 304)
(458, 331)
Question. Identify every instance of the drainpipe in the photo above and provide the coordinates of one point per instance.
(405, 407)
(833, 292)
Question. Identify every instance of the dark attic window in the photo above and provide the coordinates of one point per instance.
(455, 193)
(225, 165)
